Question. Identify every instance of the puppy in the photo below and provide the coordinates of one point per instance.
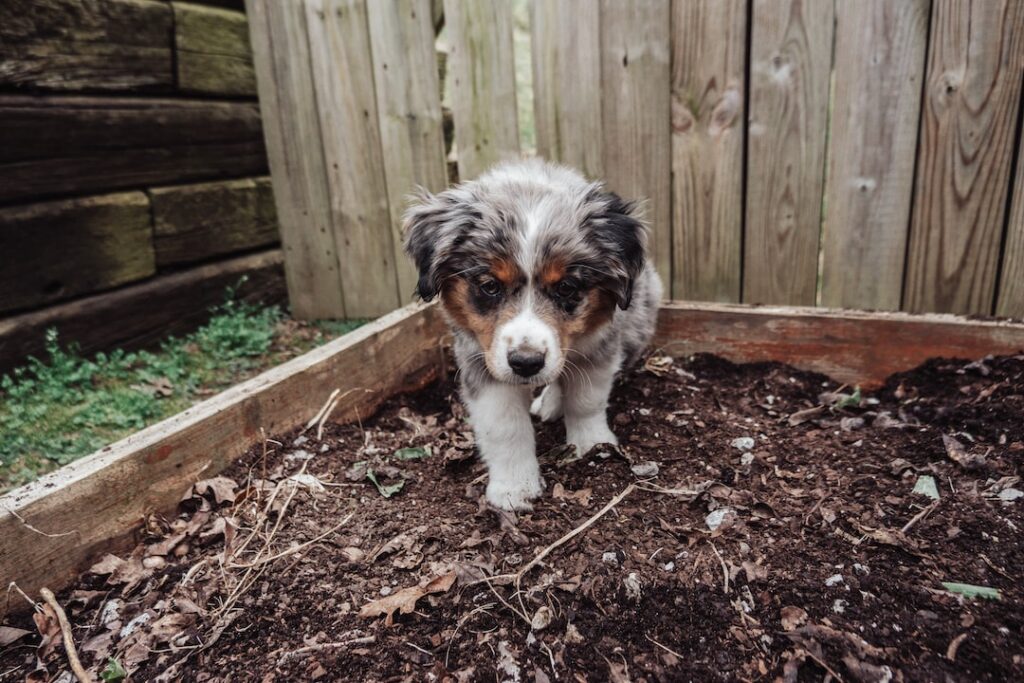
(545, 281)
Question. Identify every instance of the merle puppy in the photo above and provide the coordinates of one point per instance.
(545, 281)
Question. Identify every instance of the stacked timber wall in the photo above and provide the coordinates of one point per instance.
(133, 173)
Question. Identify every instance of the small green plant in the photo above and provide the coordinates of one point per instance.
(114, 672)
(62, 406)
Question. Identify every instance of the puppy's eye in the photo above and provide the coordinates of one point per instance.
(566, 289)
(490, 288)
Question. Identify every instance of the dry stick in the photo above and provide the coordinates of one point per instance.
(323, 419)
(295, 549)
(38, 531)
(319, 413)
(665, 647)
(364, 640)
(725, 569)
(919, 516)
(69, 640)
(574, 533)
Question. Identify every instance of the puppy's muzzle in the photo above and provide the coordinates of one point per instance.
(526, 362)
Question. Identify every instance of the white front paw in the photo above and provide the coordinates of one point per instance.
(585, 437)
(514, 494)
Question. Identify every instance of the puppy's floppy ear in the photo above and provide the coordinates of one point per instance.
(620, 233)
(423, 227)
(434, 226)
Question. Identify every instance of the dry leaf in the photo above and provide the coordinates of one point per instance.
(404, 601)
(222, 489)
(9, 634)
(792, 617)
(958, 454)
(108, 564)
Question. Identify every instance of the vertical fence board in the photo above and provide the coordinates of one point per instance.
(482, 68)
(1010, 301)
(879, 68)
(635, 88)
(343, 75)
(409, 107)
(972, 96)
(709, 49)
(790, 61)
(295, 150)
(566, 51)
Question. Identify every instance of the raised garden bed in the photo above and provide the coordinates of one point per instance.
(823, 556)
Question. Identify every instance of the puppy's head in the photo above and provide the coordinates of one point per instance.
(529, 259)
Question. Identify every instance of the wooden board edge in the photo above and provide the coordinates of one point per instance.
(857, 347)
(117, 486)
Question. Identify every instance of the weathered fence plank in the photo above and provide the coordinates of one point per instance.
(709, 50)
(56, 250)
(481, 66)
(566, 48)
(879, 68)
(972, 98)
(212, 51)
(197, 222)
(636, 112)
(1010, 298)
(409, 107)
(145, 312)
(339, 44)
(294, 146)
(57, 145)
(86, 44)
(790, 63)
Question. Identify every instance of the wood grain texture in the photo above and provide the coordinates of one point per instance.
(1010, 298)
(202, 221)
(53, 251)
(858, 348)
(481, 66)
(59, 145)
(709, 51)
(104, 497)
(212, 51)
(566, 48)
(69, 45)
(339, 44)
(405, 74)
(972, 97)
(879, 69)
(636, 113)
(146, 312)
(790, 63)
(295, 149)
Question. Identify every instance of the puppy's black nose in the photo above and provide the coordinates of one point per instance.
(525, 363)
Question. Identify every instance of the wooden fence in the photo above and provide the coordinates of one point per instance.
(845, 153)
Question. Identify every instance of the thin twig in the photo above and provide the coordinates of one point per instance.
(919, 516)
(295, 549)
(14, 586)
(69, 640)
(725, 569)
(38, 531)
(364, 640)
(664, 647)
(574, 533)
(323, 419)
(319, 413)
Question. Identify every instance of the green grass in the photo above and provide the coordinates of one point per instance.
(56, 409)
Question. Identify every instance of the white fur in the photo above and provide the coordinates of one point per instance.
(527, 332)
(505, 437)
(548, 406)
(585, 404)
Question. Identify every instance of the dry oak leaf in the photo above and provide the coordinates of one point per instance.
(792, 617)
(405, 600)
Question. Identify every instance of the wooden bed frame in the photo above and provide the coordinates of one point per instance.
(52, 529)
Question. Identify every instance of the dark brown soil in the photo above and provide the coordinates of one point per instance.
(825, 559)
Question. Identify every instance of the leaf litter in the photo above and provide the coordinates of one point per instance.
(300, 568)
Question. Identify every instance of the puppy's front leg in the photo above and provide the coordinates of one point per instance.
(585, 402)
(501, 423)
